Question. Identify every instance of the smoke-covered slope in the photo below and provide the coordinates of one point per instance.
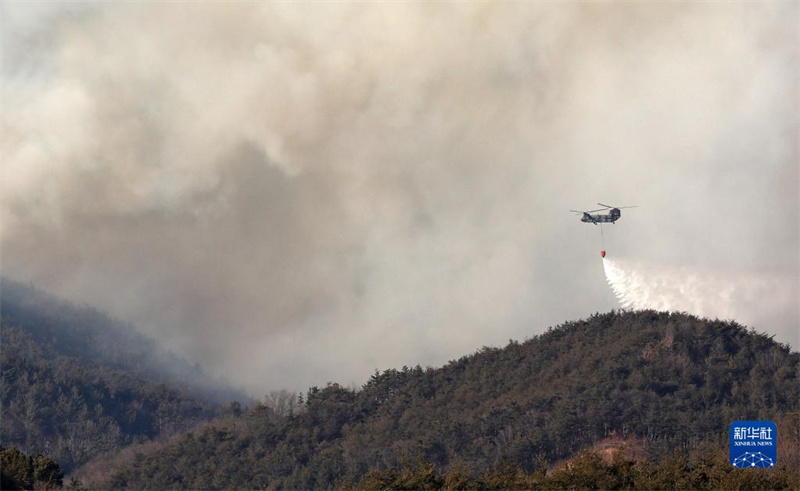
(76, 383)
(672, 380)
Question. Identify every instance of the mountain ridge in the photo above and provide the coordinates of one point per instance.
(78, 383)
(80, 388)
(670, 379)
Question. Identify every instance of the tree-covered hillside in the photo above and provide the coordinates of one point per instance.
(20, 471)
(671, 380)
(76, 383)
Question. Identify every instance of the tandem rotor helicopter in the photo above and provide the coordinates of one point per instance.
(613, 215)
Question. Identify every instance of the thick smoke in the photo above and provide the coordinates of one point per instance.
(744, 298)
(290, 193)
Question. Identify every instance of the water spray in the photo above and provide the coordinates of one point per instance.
(744, 297)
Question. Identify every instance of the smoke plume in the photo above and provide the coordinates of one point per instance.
(291, 193)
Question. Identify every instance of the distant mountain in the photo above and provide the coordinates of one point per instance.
(670, 381)
(77, 383)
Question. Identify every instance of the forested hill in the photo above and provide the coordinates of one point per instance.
(77, 383)
(672, 381)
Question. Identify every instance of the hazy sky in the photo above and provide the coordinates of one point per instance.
(295, 193)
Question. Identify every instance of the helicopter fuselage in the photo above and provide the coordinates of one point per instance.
(613, 215)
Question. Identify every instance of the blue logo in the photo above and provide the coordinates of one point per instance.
(754, 444)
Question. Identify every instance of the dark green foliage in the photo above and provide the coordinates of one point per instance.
(670, 380)
(422, 475)
(19, 471)
(588, 470)
(76, 383)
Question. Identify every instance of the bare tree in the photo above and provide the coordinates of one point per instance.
(282, 402)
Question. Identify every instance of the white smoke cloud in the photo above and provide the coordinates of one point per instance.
(291, 193)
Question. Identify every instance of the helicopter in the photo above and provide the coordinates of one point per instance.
(613, 215)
